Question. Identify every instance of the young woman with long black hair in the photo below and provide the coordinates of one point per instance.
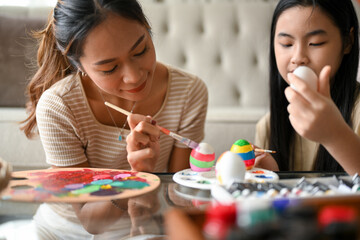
(313, 130)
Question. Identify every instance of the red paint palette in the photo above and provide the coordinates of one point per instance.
(78, 185)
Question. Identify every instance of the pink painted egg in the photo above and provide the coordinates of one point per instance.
(202, 158)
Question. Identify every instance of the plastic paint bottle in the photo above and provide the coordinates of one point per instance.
(338, 222)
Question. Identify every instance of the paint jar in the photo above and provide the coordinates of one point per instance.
(338, 222)
(299, 222)
(218, 220)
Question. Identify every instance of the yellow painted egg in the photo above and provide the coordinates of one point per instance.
(244, 149)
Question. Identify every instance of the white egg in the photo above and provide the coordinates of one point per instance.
(308, 75)
(229, 167)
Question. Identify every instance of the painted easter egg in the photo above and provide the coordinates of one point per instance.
(244, 149)
(308, 75)
(229, 167)
(202, 158)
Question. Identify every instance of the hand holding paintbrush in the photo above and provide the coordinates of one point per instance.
(264, 150)
(143, 145)
(186, 141)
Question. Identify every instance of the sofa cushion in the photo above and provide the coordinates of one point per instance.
(17, 57)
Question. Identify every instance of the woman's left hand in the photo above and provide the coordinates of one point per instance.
(265, 160)
(313, 114)
(142, 143)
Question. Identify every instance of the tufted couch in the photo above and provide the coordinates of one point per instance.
(225, 42)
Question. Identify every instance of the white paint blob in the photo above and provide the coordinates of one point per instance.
(205, 148)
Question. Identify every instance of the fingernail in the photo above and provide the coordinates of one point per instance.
(153, 122)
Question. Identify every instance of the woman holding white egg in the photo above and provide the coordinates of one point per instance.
(312, 125)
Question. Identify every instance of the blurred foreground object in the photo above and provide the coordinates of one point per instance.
(5, 174)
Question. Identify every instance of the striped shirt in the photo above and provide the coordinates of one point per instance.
(71, 135)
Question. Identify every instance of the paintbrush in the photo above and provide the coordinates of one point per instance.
(184, 140)
(264, 150)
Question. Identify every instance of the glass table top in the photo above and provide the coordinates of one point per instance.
(136, 218)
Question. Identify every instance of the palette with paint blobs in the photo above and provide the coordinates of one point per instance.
(193, 179)
(260, 175)
(78, 185)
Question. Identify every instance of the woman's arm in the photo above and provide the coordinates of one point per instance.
(192, 124)
(97, 217)
(344, 146)
(60, 135)
(179, 159)
(264, 160)
(81, 165)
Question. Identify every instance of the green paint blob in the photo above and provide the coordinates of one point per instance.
(241, 142)
(203, 182)
(117, 184)
(130, 184)
(87, 189)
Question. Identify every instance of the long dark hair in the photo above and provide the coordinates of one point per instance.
(61, 43)
(344, 87)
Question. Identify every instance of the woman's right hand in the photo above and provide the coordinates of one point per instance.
(142, 143)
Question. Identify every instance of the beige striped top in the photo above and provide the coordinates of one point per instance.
(71, 135)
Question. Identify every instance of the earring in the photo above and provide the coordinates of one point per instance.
(82, 72)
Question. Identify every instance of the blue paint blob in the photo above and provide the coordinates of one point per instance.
(102, 182)
(130, 184)
(263, 176)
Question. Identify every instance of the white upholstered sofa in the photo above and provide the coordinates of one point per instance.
(225, 42)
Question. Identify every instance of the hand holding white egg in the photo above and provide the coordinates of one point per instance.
(307, 75)
(314, 115)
